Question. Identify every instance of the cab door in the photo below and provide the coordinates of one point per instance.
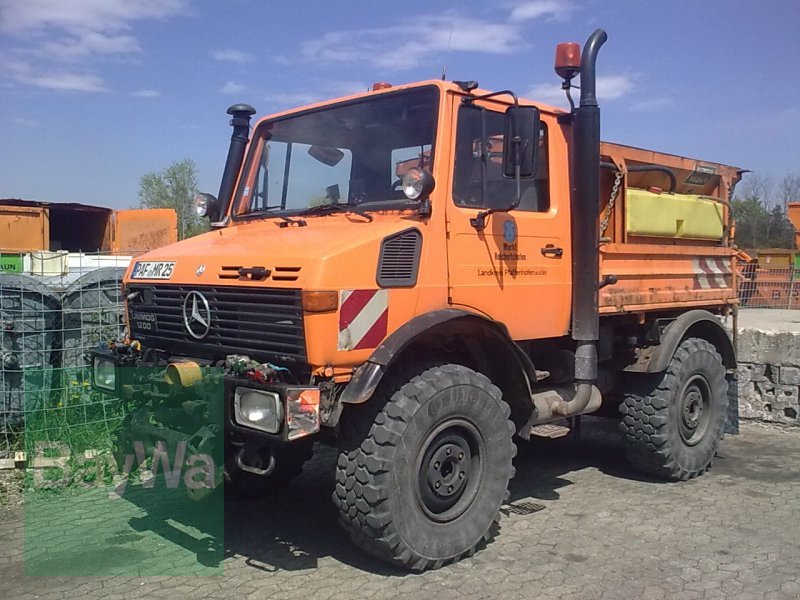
(518, 269)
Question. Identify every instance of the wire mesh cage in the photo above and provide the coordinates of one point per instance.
(54, 310)
(769, 288)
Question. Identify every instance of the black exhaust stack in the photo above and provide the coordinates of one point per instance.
(240, 122)
(585, 216)
(585, 231)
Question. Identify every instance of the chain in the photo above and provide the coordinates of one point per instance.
(610, 207)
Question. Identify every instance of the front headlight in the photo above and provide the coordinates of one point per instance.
(258, 409)
(105, 374)
(418, 184)
(201, 205)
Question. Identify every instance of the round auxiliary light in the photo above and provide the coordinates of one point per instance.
(201, 205)
(416, 183)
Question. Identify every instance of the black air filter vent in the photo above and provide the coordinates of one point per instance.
(399, 260)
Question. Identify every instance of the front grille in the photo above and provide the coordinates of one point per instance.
(266, 324)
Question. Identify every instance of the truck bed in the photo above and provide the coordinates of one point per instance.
(674, 263)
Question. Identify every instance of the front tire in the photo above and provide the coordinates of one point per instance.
(673, 421)
(421, 479)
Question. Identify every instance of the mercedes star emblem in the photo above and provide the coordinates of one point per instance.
(196, 315)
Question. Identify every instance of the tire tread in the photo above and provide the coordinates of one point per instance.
(370, 438)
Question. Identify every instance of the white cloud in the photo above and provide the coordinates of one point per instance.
(64, 81)
(230, 55)
(232, 87)
(609, 87)
(653, 105)
(83, 15)
(429, 38)
(146, 94)
(535, 9)
(613, 87)
(24, 72)
(549, 93)
(49, 33)
(87, 43)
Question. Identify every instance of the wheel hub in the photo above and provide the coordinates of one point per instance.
(694, 405)
(450, 470)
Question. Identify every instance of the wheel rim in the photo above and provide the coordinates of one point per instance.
(694, 414)
(450, 470)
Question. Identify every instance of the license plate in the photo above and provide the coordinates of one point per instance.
(153, 270)
(144, 321)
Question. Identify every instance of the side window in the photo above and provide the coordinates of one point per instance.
(479, 182)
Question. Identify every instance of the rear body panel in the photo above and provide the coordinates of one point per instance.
(662, 263)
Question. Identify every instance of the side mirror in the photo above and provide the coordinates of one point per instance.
(521, 141)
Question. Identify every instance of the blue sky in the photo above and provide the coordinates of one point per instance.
(96, 93)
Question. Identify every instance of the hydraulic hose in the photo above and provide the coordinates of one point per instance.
(644, 168)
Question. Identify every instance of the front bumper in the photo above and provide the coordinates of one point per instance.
(143, 384)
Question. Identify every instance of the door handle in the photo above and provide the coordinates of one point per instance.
(551, 250)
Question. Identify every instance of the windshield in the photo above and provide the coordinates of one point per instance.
(350, 154)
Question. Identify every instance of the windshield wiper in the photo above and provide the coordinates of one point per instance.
(268, 211)
(324, 209)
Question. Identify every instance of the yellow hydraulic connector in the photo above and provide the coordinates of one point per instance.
(184, 374)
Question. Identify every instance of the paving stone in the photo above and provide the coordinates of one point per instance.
(603, 532)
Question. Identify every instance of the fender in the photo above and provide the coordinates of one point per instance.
(695, 323)
(368, 375)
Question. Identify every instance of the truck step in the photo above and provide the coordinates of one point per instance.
(550, 430)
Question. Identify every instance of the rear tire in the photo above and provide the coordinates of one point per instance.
(421, 478)
(673, 421)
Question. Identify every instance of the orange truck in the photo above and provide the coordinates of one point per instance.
(518, 273)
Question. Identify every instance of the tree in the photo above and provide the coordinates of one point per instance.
(174, 187)
(759, 187)
(758, 225)
(789, 189)
(751, 222)
(781, 228)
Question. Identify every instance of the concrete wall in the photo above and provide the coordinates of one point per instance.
(768, 347)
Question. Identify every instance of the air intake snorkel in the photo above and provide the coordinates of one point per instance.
(240, 121)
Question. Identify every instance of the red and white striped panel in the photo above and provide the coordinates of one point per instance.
(363, 318)
(712, 273)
